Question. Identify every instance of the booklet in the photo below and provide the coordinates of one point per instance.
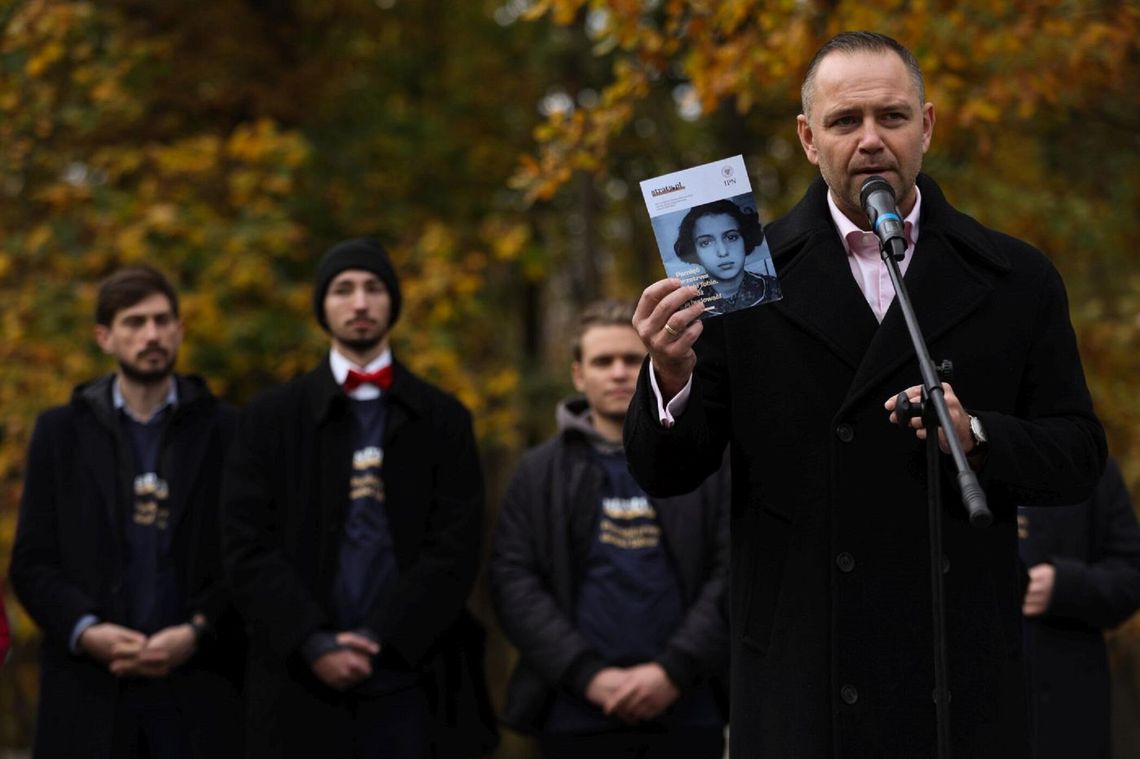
(709, 235)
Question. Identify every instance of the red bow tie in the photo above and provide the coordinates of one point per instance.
(381, 378)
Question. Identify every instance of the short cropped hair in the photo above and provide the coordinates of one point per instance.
(126, 287)
(859, 42)
(747, 222)
(601, 313)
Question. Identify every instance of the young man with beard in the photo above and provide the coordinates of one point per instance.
(352, 505)
(116, 554)
(830, 603)
(613, 599)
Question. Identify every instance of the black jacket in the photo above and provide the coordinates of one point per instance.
(1095, 548)
(286, 496)
(544, 523)
(830, 596)
(68, 561)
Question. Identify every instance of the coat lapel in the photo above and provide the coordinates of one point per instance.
(183, 455)
(945, 282)
(821, 296)
(97, 446)
(944, 289)
(820, 293)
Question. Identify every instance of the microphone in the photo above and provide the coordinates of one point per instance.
(878, 201)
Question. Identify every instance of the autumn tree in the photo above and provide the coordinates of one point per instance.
(230, 143)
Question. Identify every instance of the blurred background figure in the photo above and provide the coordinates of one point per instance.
(1084, 578)
(351, 518)
(614, 599)
(116, 555)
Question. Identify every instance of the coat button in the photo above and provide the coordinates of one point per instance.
(845, 562)
(849, 694)
(845, 432)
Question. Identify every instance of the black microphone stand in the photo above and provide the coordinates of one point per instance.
(934, 413)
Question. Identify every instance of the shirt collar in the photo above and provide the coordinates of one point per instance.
(120, 403)
(846, 226)
(340, 366)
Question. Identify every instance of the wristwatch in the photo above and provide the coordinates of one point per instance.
(200, 627)
(981, 442)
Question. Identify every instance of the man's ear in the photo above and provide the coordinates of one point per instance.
(576, 376)
(103, 337)
(807, 139)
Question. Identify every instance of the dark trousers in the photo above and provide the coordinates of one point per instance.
(149, 722)
(630, 743)
(393, 726)
(350, 726)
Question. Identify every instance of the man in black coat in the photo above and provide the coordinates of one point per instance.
(830, 603)
(614, 600)
(352, 505)
(116, 554)
(1084, 578)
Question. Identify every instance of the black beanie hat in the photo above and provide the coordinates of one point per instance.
(361, 253)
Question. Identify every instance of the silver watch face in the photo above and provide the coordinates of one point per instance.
(977, 430)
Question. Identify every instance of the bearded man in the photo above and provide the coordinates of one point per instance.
(117, 555)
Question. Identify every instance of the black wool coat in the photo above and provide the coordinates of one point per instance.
(286, 496)
(1095, 549)
(830, 599)
(68, 560)
(547, 513)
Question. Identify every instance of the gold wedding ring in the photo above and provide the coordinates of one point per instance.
(672, 332)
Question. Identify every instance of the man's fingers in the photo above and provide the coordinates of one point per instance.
(660, 304)
(358, 643)
(617, 699)
(688, 316)
(652, 296)
(672, 310)
(126, 648)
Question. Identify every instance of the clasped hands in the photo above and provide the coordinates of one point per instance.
(632, 694)
(130, 653)
(348, 665)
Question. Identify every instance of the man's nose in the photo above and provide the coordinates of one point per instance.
(621, 370)
(870, 140)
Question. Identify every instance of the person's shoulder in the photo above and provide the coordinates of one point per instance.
(284, 395)
(539, 469)
(81, 402)
(991, 247)
(58, 424)
(1018, 252)
(54, 416)
(539, 456)
(427, 396)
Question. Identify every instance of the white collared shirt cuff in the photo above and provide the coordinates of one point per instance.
(667, 413)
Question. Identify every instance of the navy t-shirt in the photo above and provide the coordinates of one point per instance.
(629, 601)
(367, 571)
(154, 596)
